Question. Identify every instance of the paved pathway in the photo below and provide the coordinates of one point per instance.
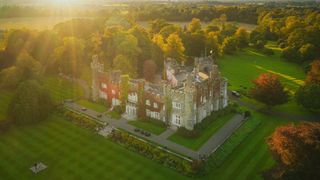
(222, 135)
(210, 146)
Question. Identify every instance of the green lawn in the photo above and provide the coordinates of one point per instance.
(61, 89)
(91, 105)
(252, 156)
(241, 68)
(148, 126)
(196, 143)
(5, 97)
(71, 152)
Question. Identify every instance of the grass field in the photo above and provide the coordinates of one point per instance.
(243, 67)
(71, 152)
(147, 126)
(91, 105)
(36, 23)
(252, 156)
(61, 89)
(5, 98)
(196, 143)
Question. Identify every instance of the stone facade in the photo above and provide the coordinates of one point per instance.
(183, 99)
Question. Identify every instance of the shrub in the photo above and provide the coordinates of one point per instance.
(267, 51)
(155, 153)
(80, 120)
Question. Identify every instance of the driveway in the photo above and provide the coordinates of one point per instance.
(209, 147)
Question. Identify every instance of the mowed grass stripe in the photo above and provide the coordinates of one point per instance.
(5, 98)
(252, 156)
(72, 153)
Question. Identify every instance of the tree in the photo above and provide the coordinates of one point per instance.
(174, 47)
(170, 29)
(10, 77)
(124, 89)
(31, 103)
(26, 67)
(212, 44)
(309, 96)
(229, 45)
(69, 56)
(126, 44)
(149, 70)
(296, 149)
(269, 90)
(243, 38)
(157, 25)
(29, 67)
(194, 43)
(194, 25)
(314, 73)
(308, 52)
(124, 64)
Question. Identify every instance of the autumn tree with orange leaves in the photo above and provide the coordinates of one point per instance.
(269, 90)
(296, 149)
(314, 73)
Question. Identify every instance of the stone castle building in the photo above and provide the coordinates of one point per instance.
(183, 99)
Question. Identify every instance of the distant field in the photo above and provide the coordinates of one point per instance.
(36, 23)
(42, 23)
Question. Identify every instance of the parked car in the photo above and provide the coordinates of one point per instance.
(99, 115)
(83, 109)
(136, 129)
(235, 93)
(147, 134)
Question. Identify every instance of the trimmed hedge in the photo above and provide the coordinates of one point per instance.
(155, 153)
(80, 120)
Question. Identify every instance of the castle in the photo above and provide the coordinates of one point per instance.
(183, 99)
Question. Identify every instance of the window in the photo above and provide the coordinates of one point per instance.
(103, 85)
(148, 102)
(132, 97)
(155, 105)
(156, 115)
(113, 92)
(103, 95)
(148, 112)
(176, 105)
(178, 119)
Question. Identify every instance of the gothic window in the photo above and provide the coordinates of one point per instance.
(103, 85)
(148, 102)
(178, 119)
(155, 105)
(176, 105)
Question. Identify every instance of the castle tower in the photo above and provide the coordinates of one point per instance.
(189, 114)
(96, 68)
